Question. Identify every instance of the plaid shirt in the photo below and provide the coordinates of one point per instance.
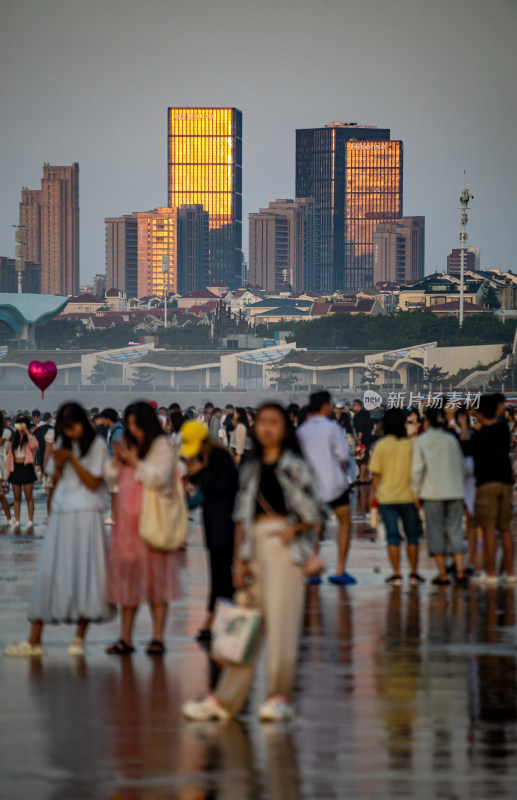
(301, 497)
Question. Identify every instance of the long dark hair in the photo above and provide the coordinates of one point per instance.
(69, 414)
(290, 441)
(20, 441)
(2, 423)
(394, 423)
(243, 418)
(228, 424)
(176, 419)
(147, 421)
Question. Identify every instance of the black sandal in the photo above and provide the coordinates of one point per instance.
(155, 648)
(438, 581)
(120, 648)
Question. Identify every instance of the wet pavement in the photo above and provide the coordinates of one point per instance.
(402, 693)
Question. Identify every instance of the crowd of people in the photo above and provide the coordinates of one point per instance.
(268, 481)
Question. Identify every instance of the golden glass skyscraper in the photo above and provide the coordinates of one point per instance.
(355, 174)
(373, 194)
(205, 168)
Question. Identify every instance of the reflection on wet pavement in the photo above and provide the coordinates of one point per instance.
(402, 693)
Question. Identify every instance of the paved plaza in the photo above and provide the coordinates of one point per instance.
(402, 693)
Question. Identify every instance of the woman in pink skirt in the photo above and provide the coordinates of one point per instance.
(138, 574)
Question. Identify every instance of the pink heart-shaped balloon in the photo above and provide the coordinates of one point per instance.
(42, 373)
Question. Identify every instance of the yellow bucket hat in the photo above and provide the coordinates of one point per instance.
(193, 434)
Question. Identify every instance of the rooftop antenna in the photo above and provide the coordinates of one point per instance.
(465, 198)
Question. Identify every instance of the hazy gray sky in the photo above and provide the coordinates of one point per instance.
(90, 81)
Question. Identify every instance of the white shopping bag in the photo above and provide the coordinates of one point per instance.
(234, 632)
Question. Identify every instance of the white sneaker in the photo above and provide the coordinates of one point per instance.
(76, 647)
(109, 521)
(509, 579)
(30, 524)
(205, 710)
(11, 523)
(23, 650)
(486, 580)
(275, 711)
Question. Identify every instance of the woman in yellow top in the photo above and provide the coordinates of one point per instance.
(390, 466)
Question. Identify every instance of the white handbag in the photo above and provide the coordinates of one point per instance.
(163, 523)
(234, 630)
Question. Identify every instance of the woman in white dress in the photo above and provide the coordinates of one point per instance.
(70, 578)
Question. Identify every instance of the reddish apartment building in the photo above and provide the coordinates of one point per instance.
(50, 217)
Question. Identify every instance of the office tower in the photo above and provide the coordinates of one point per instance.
(30, 221)
(157, 233)
(122, 254)
(205, 168)
(354, 173)
(193, 248)
(472, 260)
(135, 244)
(31, 276)
(399, 250)
(50, 216)
(284, 246)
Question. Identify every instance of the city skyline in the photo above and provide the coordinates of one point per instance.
(444, 87)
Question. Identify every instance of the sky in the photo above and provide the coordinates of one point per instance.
(91, 80)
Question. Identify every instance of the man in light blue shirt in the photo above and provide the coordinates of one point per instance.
(326, 450)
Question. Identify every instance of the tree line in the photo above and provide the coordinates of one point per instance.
(365, 332)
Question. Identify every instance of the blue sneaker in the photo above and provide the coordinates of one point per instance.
(342, 580)
(314, 581)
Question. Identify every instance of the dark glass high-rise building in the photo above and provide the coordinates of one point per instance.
(205, 168)
(193, 250)
(354, 173)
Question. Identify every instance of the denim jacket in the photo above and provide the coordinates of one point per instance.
(301, 499)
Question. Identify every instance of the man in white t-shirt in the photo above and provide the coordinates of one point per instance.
(326, 449)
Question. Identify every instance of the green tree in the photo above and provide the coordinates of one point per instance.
(107, 338)
(58, 333)
(370, 374)
(490, 297)
(190, 337)
(364, 332)
(503, 377)
(99, 373)
(434, 376)
(285, 378)
(142, 379)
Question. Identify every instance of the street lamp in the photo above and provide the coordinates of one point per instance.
(165, 270)
(465, 197)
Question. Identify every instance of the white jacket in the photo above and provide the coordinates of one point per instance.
(438, 467)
